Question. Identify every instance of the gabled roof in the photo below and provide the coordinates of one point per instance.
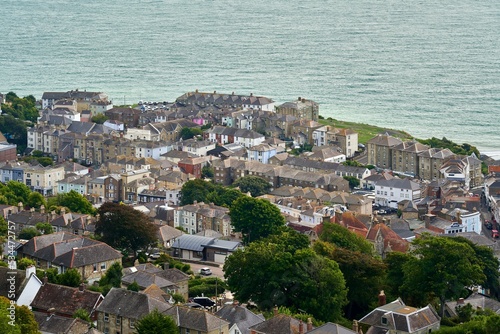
(195, 319)
(241, 316)
(130, 304)
(279, 324)
(145, 279)
(391, 239)
(398, 183)
(384, 140)
(331, 328)
(65, 300)
(58, 324)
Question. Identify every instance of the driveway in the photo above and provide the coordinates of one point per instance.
(216, 271)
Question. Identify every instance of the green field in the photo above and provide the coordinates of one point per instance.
(365, 131)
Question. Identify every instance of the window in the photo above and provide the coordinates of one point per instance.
(106, 317)
(132, 323)
(118, 320)
(384, 321)
(103, 266)
(94, 267)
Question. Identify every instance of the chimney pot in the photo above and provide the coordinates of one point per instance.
(301, 327)
(382, 298)
(275, 310)
(309, 324)
(45, 280)
(82, 287)
(355, 326)
(460, 301)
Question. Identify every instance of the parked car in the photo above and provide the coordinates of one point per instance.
(205, 271)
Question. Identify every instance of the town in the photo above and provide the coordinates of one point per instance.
(227, 213)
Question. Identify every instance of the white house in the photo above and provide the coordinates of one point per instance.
(390, 192)
(31, 288)
(248, 138)
(114, 125)
(198, 147)
(261, 153)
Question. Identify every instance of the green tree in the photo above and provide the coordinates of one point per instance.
(293, 278)
(25, 263)
(209, 287)
(257, 186)
(123, 227)
(44, 228)
(442, 268)
(4, 227)
(178, 298)
(82, 314)
(134, 287)
(70, 277)
(394, 285)
(99, 118)
(353, 181)
(343, 238)
(156, 323)
(364, 276)
(188, 133)
(255, 218)
(224, 196)
(28, 232)
(36, 200)
(75, 202)
(19, 190)
(195, 190)
(15, 130)
(207, 172)
(16, 319)
(113, 276)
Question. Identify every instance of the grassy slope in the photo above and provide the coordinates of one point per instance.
(365, 131)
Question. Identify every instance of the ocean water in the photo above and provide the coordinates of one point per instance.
(430, 67)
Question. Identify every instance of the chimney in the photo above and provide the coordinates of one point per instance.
(355, 326)
(42, 209)
(63, 211)
(301, 327)
(20, 206)
(299, 99)
(45, 279)
(303, 100)
(428, 218)
(309, 325)
(338, 216)
(459, 217)
(81, 288)
(166, 265)
(275, 310)
(30, 270)
(251, 94)
(382, 298)
(53, 215)
(460, 301)
(195, 202)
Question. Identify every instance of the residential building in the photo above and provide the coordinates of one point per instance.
(396, 317)
(300, 108)
(226, 100)
(261, 153)
(65, 301)
(13, 171)
(197, 147)
(346, 139)
(430, 162)
(43, 179)
(65, 250)
(248, 138)
(105, 188)
(197, 217)
(281, 323)
(240, 318)
(128, 116)
(405, 157)
(193, 320)
(196, 247)
(390, 192)
(121, 308)
(379, 150)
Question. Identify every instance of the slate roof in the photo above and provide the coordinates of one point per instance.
(69, 250)
(65, 300)
(391, 238)
(191, 242)
(399, 183)
(331, 328)
(241, 316)
(384, 140)
(145, 279)
(55, 323)
(130, 304)
(401, 317)
(195, 319)
(478, 301)
(279, 324)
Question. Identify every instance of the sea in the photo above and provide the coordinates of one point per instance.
(429, 67)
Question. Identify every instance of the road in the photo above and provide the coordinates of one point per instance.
(485, 215)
